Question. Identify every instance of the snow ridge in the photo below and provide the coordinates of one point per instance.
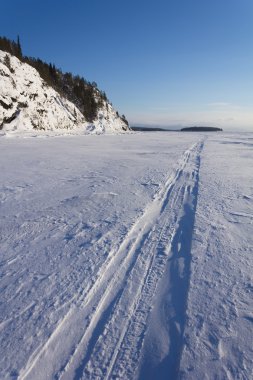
(29, 107)
(113, 310)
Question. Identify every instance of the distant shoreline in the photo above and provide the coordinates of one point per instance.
(201, 129)
(186, 129)
(153, 129)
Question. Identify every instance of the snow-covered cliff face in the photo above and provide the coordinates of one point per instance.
(28, 106)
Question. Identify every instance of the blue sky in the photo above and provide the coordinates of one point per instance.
(161, 62)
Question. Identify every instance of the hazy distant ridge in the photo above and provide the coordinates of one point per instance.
(201, 129)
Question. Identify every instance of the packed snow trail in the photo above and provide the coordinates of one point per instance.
(158, 247)
(112, 311)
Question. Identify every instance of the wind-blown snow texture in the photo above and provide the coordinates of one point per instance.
(126, 257)
(29, 107)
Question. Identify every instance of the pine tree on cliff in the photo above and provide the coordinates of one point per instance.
(18, 49)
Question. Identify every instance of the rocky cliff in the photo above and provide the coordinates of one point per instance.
(29, 106)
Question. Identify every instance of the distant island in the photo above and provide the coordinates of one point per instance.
(201, 129)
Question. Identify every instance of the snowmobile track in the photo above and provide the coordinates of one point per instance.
(113, 310)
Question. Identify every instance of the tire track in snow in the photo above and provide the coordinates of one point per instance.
(101, 307)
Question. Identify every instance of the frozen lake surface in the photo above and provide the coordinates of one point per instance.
(127, 257)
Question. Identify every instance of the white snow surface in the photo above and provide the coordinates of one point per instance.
(126, 257)
(38, 110)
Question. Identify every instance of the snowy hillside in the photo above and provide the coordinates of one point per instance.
(28, 106)
(126, 257)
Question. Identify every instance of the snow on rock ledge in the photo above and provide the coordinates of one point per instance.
(28, 106)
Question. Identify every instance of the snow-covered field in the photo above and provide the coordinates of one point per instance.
(126, 257)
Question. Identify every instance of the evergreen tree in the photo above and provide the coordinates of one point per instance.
(19, 49)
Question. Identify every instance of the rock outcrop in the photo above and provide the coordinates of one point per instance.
(29, 106)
